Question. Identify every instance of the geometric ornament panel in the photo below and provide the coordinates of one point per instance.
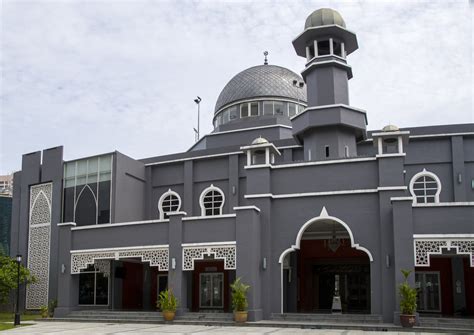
(155, 256)
(224, 252)
(424, 248)
(39, 244)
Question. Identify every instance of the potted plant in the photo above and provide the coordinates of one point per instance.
(168, 303)
(407, 301)
(44, 312)
(239, 300)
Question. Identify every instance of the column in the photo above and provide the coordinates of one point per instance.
(68, 284)
(249, 260)
(176, 276)
(402, 245)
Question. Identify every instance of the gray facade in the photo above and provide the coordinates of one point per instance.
(257, 197)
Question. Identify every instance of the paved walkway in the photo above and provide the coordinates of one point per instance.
(77, 328)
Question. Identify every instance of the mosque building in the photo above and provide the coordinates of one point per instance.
(289, 192)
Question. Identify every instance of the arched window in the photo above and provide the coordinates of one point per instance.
(169, 202)
(212, 201)
(425, 187)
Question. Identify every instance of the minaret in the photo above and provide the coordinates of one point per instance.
(329, 127)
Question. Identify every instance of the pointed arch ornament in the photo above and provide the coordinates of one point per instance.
(39, 238)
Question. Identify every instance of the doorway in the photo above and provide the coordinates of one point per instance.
(211, 290)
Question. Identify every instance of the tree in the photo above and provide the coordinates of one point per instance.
(8, 276)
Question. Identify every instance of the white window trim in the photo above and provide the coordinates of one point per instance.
(427, 174)
(201, 199)
(162, 198)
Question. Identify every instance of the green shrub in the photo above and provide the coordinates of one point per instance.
(239, 295)
(167, 301)
(44, 311)
(407, 295)
(52, 306)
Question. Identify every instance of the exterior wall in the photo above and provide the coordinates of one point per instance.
(358, 192)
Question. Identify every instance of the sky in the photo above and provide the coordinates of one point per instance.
(99, 76)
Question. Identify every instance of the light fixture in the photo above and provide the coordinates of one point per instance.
(333, 243)
(173, 263)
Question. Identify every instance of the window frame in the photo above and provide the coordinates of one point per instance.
(96, 271)
(417, 176)
(203, 195)
(162, 198)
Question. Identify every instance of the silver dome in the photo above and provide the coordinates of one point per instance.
(261, 81)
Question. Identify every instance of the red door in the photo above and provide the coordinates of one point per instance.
(132, 288)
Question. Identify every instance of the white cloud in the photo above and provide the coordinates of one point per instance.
(103, 76)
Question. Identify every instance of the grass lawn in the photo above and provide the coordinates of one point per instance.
(6, 319)
(9, 317)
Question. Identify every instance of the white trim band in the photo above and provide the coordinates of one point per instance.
(222, 216)
(120, 224)
(238, 208)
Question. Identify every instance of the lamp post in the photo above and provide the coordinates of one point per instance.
(299, 85)
(198, 102)
(17, 307)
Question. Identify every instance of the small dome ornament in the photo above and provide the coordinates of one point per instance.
(259, 140)
(390, 127)
(324, 17)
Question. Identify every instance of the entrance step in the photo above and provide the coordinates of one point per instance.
(206, 316)
(447, 322)
(330, 318)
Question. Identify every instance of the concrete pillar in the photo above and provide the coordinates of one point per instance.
(68, 284)
(188, 188)
(403, 245)
(249, 261)
(177, 277)
(233, 198)
(459, 176)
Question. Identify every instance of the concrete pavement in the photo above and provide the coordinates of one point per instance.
(79, 328)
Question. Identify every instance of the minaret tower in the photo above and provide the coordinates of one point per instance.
(328, 128)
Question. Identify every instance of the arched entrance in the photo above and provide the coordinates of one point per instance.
(323, 266)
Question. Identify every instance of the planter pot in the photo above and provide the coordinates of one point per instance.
(169, 315)
(240, 316)
(407, 321)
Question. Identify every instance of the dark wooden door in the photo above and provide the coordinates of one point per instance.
(132, 289)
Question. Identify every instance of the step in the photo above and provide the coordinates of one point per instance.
(350, 318)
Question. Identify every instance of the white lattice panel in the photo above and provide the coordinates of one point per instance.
(424, 248)
(224, 252)
(39, 244)
(103, 266)
(155, 256)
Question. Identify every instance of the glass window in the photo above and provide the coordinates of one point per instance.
(169, 202)
(244, 110)
(268, 108)
(233, 113)
(225, 116)
(212, 202)
(323, 48)
(254, 109)
(278, 108)
(291, 109)
(93, 287)
(300, 108)
(87, 187)
(425, 189)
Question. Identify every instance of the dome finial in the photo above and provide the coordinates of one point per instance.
(265, 61)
